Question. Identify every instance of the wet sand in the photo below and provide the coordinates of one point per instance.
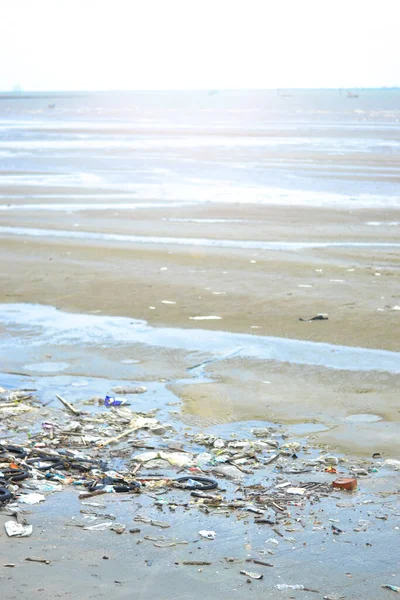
(166, 208)
(261, 292)
(249, 288)
(361, 557)
(109, 564)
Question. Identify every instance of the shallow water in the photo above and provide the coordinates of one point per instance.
(363, 418)
(46, 367)
(202, 242)
(113, 152)
(232, 146)
(45, 325)
(84, 206)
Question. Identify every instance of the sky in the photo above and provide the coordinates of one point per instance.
(198, 44)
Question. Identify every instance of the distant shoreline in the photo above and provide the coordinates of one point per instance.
(77, 93)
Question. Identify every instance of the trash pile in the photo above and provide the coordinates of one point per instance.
(82, 452)
(115, 450)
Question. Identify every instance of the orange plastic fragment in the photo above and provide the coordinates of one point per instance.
(345, 483)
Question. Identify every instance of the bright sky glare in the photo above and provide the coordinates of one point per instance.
(198, 44)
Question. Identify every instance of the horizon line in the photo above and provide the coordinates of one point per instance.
(201, 89)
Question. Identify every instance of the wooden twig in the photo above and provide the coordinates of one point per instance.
(85, 495)
(38, 560)
(136, 469)
(117, 437)
(68, 405)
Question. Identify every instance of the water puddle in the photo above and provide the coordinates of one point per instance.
(383, 223)
(83, 206)
(363, 418)
(129, 361)
(306, 428)
(208, 220)
(142, 239)
(46, 367)
(47, 326)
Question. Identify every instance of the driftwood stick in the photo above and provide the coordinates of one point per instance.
(118, 437)
(68, 405)
(85, 495)
(136, 469)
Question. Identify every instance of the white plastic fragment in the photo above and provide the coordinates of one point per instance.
(203, 459)
(143, 422)
(252, 575)
(209, 535)
(14, 529)
(392, 462)
(48, 486)
(16, 408)
(206, 318)
(177, 459)
(288, 586)
(328, 460)
(139, 389)
(33, 498)
(219, 443)
(296, 490)
(99, 526)
(273, 541)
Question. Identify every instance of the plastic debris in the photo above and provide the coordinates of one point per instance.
(319, 317)
(391, 462)
(209, 535)
(287, 586)
(204, 459)
(178, 473)
(38, 559)
(118, 527)
(196, 563)
(252, 575)
(254, 509)
(394, 588)
(261, 431)
(336, 530)
(296, 490)
(178, 459)
(331, 469)
(99, 526)
(48, 486)
(14, 408)
(345, 483)
(273, 541)
(362, 525)
(14, 529)
(113, 401)
(129, 390)
(206, 318)
(155, 523)
(196, 483)
(229, 471)
(33, 498)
